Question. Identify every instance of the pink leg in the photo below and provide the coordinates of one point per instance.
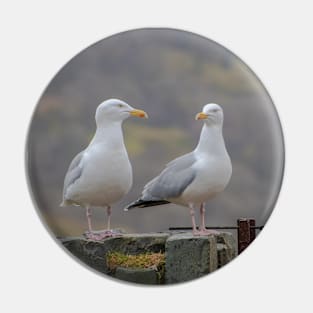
(193, 221)
(90, 234)
(102, 234)
(99, 235)
(109, 211)
(88, 215)
(203, 230)
(202, 216)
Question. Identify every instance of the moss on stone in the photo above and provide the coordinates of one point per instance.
(145, 260)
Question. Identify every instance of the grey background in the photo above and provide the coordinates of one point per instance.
(171, 75)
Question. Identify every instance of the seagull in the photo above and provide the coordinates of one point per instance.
(196, 177)
(101, 174)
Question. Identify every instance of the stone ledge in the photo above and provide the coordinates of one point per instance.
(146, 276)
(186, 256)
(93, 253)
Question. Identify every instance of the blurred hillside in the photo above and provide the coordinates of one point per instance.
(171, 75)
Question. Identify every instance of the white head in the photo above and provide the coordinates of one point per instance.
(212, 114)
(116, 110)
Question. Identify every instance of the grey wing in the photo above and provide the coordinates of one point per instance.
(174, 179)
(73, 173)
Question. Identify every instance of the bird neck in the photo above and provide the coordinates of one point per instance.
(110, 134)
(211, 140)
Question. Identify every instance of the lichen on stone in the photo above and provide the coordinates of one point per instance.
(145, 260)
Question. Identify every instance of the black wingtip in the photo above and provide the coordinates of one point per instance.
(140, 203)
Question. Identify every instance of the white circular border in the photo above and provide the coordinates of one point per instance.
(39, 38)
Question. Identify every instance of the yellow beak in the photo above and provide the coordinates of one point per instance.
(138, 113)
(201, 116)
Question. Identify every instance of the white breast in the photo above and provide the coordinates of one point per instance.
(106, 177)
(212, 176)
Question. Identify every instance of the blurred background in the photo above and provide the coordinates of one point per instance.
(170, 74)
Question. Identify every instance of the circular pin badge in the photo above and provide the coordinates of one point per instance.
(155, 156)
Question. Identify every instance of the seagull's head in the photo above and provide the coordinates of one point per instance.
(116, 110)
(212, 114)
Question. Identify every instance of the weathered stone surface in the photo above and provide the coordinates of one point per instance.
(93, 253)
(140, 276)
(226, 248)
(189, 257)
(186, 256)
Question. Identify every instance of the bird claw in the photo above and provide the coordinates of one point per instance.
(205, 232)
(100, 235)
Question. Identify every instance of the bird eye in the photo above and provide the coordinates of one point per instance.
(120, 105)
(215, 110)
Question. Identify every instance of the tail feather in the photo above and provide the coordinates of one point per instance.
(140, 203)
